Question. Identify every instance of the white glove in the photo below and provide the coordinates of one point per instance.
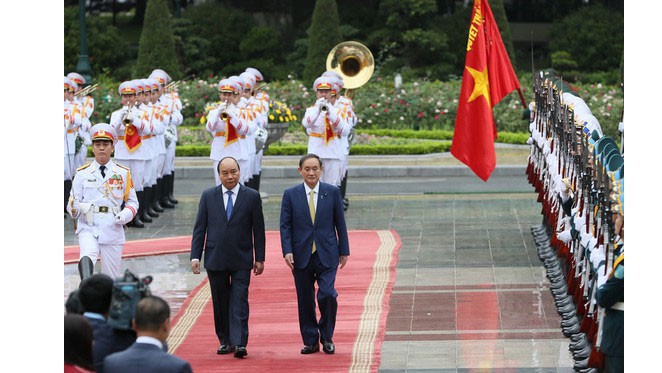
(123, 217)
(565, 236)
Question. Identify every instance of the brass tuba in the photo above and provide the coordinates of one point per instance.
(353, 61)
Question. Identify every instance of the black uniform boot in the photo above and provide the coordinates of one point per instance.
(171, 188)
(142, 210)
(85, 267)
(343, 190)
(149, 203)
(67, 192)
(161, 196)
(154, 199)
(257, 181)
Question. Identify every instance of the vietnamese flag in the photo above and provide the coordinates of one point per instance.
(488, 77)
(132, 138)
(230, 133)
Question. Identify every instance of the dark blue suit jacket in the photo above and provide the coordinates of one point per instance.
(228, 245)
(144, 357)
(329, 231)
(108, 340)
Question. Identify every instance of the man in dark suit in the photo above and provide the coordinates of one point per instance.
(230, 227)
(152, 325)
(314, 241)
(95, 294)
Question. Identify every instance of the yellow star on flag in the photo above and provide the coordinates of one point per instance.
(481, 86)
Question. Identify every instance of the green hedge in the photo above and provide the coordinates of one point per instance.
(418, 148)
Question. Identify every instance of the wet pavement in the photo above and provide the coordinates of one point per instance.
(470, 293)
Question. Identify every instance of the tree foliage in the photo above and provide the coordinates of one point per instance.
(593, 36)
(157, 43)
(323, 35)
(106, 48)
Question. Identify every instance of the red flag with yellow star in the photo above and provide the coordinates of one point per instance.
(488, 77)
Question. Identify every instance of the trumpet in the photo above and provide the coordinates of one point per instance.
(87, 90)
(324, 106)
(172, 86)
(224, 114)
(127, 116)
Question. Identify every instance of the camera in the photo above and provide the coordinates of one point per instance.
(127, 292)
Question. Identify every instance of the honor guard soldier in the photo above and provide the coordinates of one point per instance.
(224, 123)
(162, 117)
(86, 106)
(149, 142)
(247, 141)
(260, 120)
(344, 104)
(261, 98)
(102, 201)
(86, 103)
(131, 125)
(72, 121)
(324, 127)
(169, 99)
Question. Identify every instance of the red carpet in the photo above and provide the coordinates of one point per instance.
(364, 287)
(134, 249)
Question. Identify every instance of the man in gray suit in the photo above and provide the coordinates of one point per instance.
(229, 228)
(152, 325)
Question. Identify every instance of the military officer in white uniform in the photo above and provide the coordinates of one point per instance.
(224, 123)
(72, 121)
(260, 97)
(87, 109)
(324, 126)
(102, 201)
(170, 101)
(131, 124)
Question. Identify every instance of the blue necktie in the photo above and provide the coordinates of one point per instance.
(103, 170)
(228, 208)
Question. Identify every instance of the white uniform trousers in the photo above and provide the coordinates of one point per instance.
(169, 165)
(331, 173)
(110, 254)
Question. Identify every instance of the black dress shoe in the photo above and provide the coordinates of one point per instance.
(240, 352)
(225, 349)
(329, 347)
(310, 349)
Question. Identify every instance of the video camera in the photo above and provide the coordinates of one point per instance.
(127, 292)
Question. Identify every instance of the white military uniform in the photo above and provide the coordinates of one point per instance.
(324, 129)
(134, 159)
(96, 203)
(72, 121)
(226, 132)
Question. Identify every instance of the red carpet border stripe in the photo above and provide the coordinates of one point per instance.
(189, 317)
(373, 308)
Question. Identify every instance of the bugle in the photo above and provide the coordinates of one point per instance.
(171, 86)
(87, 90)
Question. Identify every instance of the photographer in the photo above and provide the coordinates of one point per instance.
(96, 294)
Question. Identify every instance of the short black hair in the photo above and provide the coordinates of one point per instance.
(151, 313)
(95, 293)
(309, 156)
(73, 305)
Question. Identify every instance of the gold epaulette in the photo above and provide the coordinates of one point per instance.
(83, 166)
(122, 166)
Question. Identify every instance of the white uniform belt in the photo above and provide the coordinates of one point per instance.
(105, 209)
(618, 306)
